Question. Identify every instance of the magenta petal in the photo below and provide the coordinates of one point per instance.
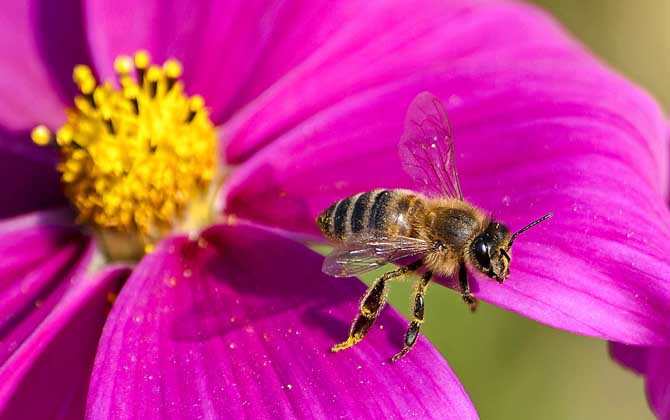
(658, 382)
(358, 46)
(39, 262)
(29, 176)
(634, 358)
(218, 41)
(654, 364)
(48, 376)
(240, 327)
(536, 130)
(40, 41)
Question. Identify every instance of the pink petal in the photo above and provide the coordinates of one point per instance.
(654, 364)
(240, 327)
(48, 376)
(658, 382)
(218, 41)
(634, 358)
(357, 46)
(39, 262)
(538, 127)
(41, 41)
(29, 174)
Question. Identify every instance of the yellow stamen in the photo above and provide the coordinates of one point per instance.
(172, 69)
(123, 65)
(136, 159)
(41, 135)
(81, 73)
(154, 73)
(142, 59)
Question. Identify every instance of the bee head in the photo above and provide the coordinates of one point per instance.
(490, 251)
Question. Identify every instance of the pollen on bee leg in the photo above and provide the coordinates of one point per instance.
(344, 345)
(359, 329)
(351, 341)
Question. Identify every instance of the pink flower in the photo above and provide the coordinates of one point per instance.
(310, 100)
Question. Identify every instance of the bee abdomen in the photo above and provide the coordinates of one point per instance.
(379, 211)
(361, 208)
(335, 221)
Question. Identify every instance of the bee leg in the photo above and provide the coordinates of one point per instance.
(371, 307)
(465, 289)
(412, 333)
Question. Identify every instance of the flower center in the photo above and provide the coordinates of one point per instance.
(137, 161)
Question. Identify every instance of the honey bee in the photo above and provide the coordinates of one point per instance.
(441, 229)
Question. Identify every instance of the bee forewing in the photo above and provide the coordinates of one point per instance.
(365, 254)
(426, 148)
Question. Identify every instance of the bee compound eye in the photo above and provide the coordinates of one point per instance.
(481, 250)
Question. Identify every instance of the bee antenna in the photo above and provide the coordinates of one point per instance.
(528, 226)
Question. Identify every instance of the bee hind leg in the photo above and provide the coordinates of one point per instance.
(412, 333)
(371, 306)
(467, 296)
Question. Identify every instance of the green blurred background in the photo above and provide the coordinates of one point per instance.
(515, 368)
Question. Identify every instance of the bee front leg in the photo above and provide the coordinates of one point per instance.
(412, 333)
(371, 306)
(465, 288)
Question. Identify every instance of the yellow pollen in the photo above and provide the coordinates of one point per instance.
(135, 158)
(123, 65)
(197, 103)
(172, 69)
(41, 135)
(154, 73)
(142, 59)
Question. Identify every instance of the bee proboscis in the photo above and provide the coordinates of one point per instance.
(437, 226)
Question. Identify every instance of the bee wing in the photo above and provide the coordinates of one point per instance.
(427, 147)
(365, 254)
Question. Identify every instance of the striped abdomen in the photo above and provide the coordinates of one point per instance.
(380, 211)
